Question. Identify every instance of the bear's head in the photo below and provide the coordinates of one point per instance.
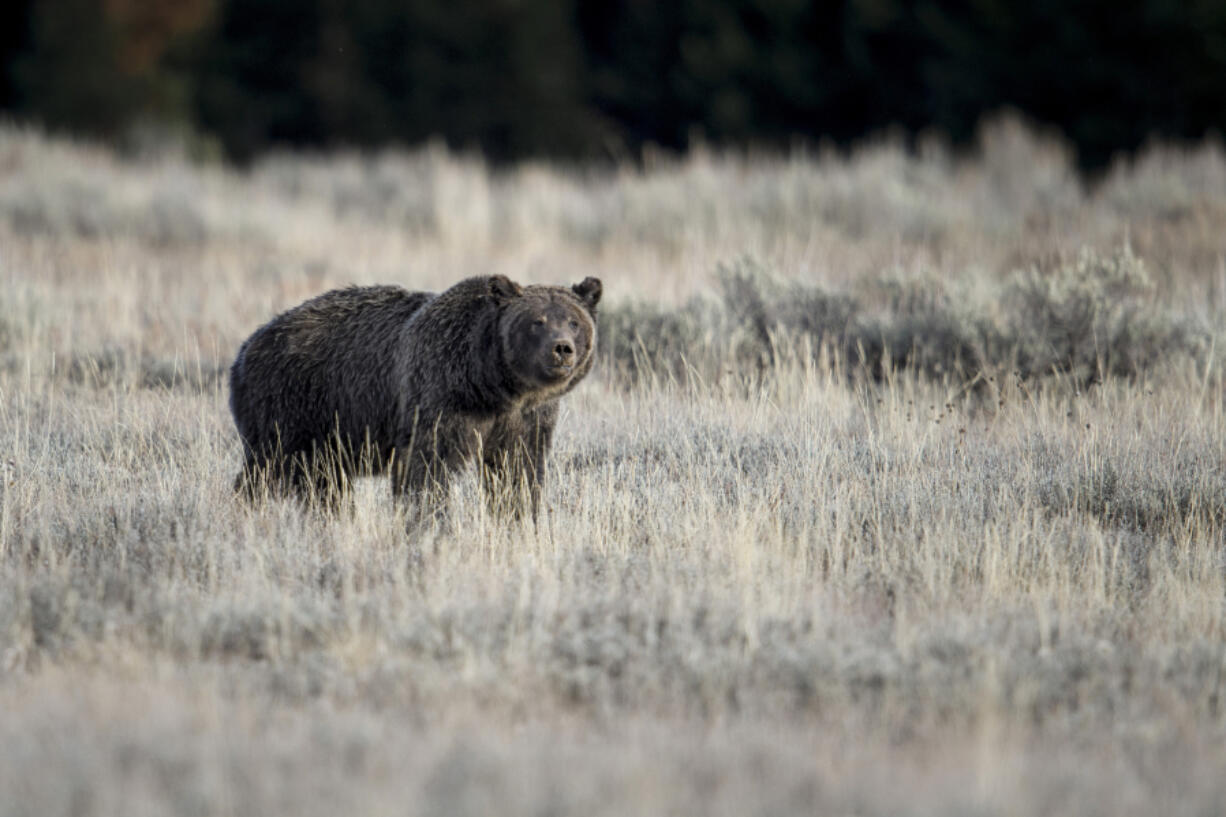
(548, 332)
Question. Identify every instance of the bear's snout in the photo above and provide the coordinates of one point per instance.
(564, 352)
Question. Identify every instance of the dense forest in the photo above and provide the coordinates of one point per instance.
(604, 78)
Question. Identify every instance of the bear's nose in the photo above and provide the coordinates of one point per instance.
(564, 351)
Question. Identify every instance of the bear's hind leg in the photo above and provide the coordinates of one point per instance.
(261, 478)
(323, 478)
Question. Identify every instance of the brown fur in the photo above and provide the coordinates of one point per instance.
(365, 380)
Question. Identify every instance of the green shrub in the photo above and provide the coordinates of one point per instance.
(641, 340)
(1089, 318)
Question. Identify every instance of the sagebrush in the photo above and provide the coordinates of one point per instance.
(899, 488)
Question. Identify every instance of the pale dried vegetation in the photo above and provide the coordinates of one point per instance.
(900, 489)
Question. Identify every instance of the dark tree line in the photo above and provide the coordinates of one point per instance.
(581, 78)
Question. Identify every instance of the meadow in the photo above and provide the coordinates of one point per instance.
(899, 488)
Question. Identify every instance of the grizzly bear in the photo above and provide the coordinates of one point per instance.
(367, 380)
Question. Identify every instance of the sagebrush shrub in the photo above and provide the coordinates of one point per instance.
(1090, 317)
(1094, 316)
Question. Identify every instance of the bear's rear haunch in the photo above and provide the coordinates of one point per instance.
(365, 380)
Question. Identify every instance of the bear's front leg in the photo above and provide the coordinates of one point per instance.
(421, 469)
(513, 462)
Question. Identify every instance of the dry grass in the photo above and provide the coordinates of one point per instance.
(782, 574)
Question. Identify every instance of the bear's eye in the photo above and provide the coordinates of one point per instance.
(539, 322)
(574, 324)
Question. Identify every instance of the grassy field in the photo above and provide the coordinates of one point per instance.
(900, 488)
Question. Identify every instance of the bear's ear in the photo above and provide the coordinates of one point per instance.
(588, 291)
(504, 289)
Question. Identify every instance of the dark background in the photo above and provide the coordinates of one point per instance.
(603, 78)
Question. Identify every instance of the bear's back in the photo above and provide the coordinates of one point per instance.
(326, 359)
(339, 325)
